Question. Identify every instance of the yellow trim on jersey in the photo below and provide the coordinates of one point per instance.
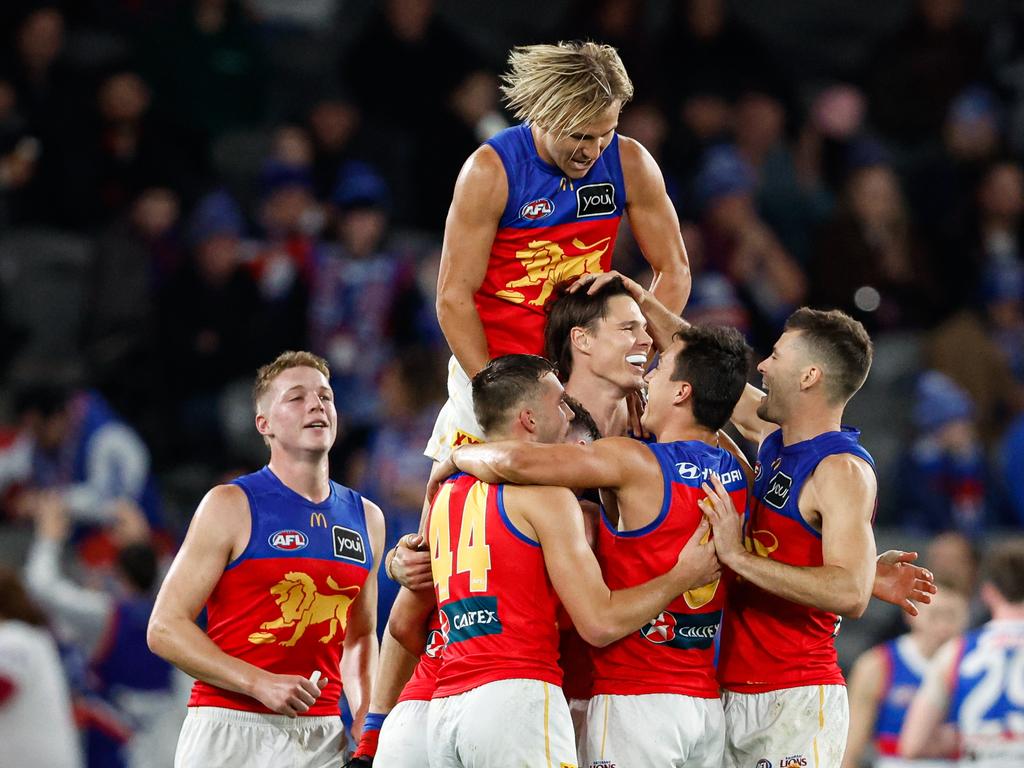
(821, 721)
(547, 735)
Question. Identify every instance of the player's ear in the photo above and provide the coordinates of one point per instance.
(262, 424)
(527, 420)
(810, 376)
(579, 338)
(684, 391)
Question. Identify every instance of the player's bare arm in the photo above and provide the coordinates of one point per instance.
(479, 200)
(552, 516)
(654, 223)
(841, 494)
(865, 691)
(925, 733)
(607, 463)
(217, 535)
(359, 660)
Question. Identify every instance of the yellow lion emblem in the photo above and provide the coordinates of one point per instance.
(547, 265)
(301, 605)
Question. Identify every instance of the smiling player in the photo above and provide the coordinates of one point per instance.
(285, 562)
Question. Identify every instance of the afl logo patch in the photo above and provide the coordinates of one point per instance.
(595, 200)
(537, 209)
(348, 544)
(288, 541)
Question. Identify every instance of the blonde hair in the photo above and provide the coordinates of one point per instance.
(561, 87)
(291, 359)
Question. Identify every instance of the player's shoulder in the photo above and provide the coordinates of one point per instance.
(845, 469)
(484, 162)
(482, 180)
(524, 498)
(634, 155)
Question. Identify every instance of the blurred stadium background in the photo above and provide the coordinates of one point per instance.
(188, 188)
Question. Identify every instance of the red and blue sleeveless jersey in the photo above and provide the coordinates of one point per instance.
(552, 229)
(769, 642)
(905, 668)
(674, 653)
(424, 678)
(497, 604)
(987, 694)
(283, 604)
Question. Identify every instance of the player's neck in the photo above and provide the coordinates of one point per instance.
(605, 401)
(807, 423)
(926, 646)
(1008, 612)
(310, 478)
(689, 431)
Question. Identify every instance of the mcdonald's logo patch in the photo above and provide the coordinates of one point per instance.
(317, 520)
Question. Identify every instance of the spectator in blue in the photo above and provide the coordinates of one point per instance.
(943, 478)
(132, 702)
(1011, 466)
(364, 293)
(75, 444)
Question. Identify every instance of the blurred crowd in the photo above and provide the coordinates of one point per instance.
(249, 176)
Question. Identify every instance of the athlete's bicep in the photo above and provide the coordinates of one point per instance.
(218, 533)
(602, 464)
(845, 489)
(653, 221)
(572, 567)
(477, 205)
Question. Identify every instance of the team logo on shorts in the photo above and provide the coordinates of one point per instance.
(793, 761)
(288, 541)
(435, 644)
(595, 200)
(537, 209)
(763, 763)
(662, 629)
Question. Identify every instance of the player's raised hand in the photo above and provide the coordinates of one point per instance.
(290, 695)
(698, 564)
(900, 582)
(725, 520)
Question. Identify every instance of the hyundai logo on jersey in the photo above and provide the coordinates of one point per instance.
(288, 541)
(537, 209)
(595, 200)
(689, 471)
(348, 544)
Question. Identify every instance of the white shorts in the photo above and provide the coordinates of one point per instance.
(578, 713)
(230, 738)
(403, 737)
(500, 724)
(456, 423)
(788, 728)
(667, 730)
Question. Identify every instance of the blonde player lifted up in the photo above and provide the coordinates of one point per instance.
(541, 203)
(285, 562)
(502, 559)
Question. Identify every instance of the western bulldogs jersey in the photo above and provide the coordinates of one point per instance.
(987, 702)
(497, 605)
(675, 652)
(905, 668)
(769, 642)
(553, 229)
(283, 604)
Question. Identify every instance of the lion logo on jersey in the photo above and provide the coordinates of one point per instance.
(301, 605)
(547, 265)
